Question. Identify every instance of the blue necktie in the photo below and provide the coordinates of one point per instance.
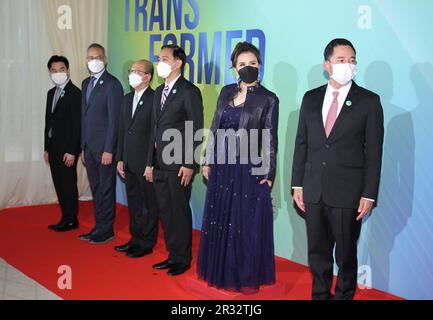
(90, 87)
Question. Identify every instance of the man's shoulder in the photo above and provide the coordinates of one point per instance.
(366, 93)
(316, 91)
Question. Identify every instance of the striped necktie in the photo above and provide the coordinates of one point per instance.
(165, 93)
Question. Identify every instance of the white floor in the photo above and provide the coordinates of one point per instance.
(14, 285)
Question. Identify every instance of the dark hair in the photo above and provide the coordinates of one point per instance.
(54, 59)
(149, 68)
(243, 47)
(178, 53)
(98, 46)
(329, 50)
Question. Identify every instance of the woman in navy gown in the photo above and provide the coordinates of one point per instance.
(236, 246)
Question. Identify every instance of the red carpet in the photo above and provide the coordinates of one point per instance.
(98, 272)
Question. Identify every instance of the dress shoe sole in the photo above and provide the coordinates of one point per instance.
(162, 268)
(133, 256)
(101, 242)
(177, 273)
(65, 230)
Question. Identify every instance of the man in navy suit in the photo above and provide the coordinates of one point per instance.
(101, 100)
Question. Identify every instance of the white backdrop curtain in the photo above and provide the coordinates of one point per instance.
(29, 35)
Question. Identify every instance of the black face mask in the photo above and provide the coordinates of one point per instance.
(249, 74)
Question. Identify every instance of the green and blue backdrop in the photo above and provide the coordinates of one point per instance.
(395, 59)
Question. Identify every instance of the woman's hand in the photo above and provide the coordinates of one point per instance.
(206, 172)
(268, 181)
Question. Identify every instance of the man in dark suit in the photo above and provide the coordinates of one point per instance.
(135, 130)
(336, 169)
(177, 105)
(101, 101)
(62, 140)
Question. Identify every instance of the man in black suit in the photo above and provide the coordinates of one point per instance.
(101, 101)
(135, 130)
(336, 169)
(177, 105)
(62, 140)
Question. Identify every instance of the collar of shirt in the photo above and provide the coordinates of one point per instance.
(171, 84)
(98, 75)
(329, 97)
(140, 93)
(64, 85)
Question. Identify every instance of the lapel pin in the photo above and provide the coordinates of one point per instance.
(348, 103)
(174, 91)
(62, 93)
(101, 82)
(141, 103)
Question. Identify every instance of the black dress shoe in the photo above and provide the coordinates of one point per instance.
(135, 252)
(66, 226)
(177, 269)
(53, 226)
(166, 264)
(101, 238)
(87, 236)
(124, 247)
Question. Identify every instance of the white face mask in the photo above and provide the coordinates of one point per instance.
(96, 65)
(135, 80)
(343, 73)
(59, 78)
(163, 69)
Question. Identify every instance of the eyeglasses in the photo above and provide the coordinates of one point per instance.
(137, 72)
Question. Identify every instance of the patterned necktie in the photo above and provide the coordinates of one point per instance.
(90, 87)
(332, 114)
(164, 95)
(56, 98)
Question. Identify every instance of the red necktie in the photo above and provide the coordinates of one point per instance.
(332, 114)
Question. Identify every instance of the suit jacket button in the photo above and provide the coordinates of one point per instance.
(129, 132)
(324, 163)
(327, 146)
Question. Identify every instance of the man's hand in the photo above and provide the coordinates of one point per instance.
(68, 159)
(120, 169)
(186, 175)
(268, 181)
(46, 157)
(298, 196)
(148, 173)
(206, 172)
(107, 158)
(82, 157)
(364, 207)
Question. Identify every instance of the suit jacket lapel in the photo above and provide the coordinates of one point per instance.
(171, 95)
(61, 98)
(348, 104)
(139, 105)
(320, 101)
(98, 85)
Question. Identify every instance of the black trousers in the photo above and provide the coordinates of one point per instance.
(102, 180)
(143, 210)
(328, 227)
(175, 213)
(65, 183)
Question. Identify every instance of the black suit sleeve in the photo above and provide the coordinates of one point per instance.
(73, 146)
(121, 136)
(114, 100)
(301, 146)
(373, 149)
(46, 122)
(271, 124)
(150, 152)
(194, 111)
